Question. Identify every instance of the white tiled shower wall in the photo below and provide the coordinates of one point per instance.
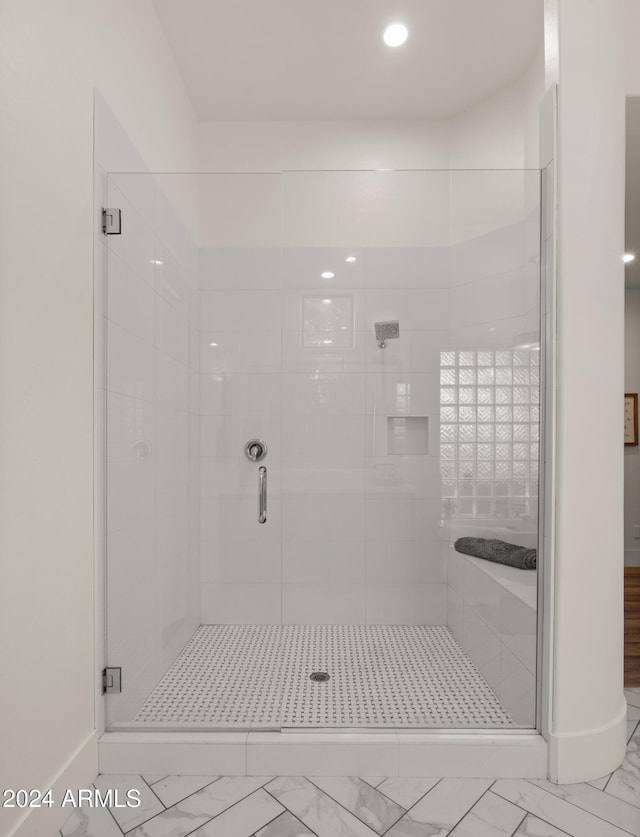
(492, 613)
(150, 303)
(354, 533)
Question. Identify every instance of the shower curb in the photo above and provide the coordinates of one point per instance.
(461, 755)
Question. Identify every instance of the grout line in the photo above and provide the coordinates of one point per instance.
(452, 829)
(300, 821)
(220, 813)
(112, 817)
(264, 825)
(606, 784)
(288, 810)
(339, 804)
(157, 780)
(371, 785)
(414, 804)
(388, 797)
(573, 805)
(535, 816)
(153, 792)
(618, 799)
(586, 810)
(160, 813)
(524, 816)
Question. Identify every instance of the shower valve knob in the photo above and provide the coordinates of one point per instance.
(255, 450)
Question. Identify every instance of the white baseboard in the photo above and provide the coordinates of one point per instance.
(588, 754)
(79, 771)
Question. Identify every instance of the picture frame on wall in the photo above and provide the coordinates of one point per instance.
(631, 418)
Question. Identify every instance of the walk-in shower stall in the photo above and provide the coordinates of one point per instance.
(314, 383)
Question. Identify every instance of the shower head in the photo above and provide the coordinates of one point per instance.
(387, 331)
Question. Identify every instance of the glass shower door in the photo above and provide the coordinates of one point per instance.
(240, 409)
(410, 415)
(150, 406)
(366, 314)
(371, 339)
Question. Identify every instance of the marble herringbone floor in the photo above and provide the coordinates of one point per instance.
(210, 806)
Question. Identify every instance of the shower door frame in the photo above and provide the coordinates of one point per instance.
(101, 615)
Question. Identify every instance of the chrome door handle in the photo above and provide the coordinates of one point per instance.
(262, 494)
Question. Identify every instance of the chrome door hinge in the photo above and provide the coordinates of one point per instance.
(111, 221)
(111, 681)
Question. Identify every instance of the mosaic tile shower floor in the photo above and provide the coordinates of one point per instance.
(258, 676)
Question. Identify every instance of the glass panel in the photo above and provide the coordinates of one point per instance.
(193, 373)
(240, 345)
(379, 332)
(495, 328)
(150, 303)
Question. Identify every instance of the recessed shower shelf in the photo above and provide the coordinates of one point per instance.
(408, 435)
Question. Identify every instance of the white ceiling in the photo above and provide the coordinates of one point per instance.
(303, 60)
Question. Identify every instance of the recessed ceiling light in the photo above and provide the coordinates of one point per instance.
(327, 275)
(350, 259)
(327, 301)
(395, 34)
(628, 257)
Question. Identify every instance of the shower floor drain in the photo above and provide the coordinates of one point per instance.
(319, 676)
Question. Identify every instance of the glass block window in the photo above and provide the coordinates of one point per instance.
(490, 432)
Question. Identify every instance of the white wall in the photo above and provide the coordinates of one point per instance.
(632, 317)
(587, 735)
(52, 56)
(499, 132)
(280, 146)
(502, 130)
(631, 453)
(631, 53)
